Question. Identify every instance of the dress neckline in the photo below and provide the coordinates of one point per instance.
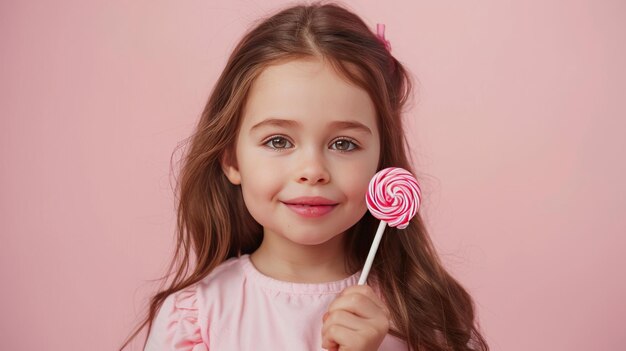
(333, 287)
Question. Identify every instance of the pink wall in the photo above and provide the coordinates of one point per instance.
(518, 134)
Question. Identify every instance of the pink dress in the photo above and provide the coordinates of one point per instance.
(236, 307)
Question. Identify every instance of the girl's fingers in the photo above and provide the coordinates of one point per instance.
(344, 319)
(338, 336)
(364, 328)
(367, 291)
(330, 345)
(360, 303)
(356, 319)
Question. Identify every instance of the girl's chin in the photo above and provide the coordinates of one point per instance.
(314, 239)
(310, 241)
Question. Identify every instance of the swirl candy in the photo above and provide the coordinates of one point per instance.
(394, 196)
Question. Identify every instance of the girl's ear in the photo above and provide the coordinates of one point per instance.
(229, 167)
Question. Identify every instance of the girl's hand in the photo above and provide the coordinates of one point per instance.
(356, 321)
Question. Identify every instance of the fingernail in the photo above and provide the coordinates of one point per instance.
(325, 317)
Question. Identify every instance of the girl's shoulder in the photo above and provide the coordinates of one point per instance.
(178, 323)
(227, 273)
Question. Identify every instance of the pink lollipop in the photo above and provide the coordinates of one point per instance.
(394, 196)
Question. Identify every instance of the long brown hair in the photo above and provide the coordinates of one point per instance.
(430, 309)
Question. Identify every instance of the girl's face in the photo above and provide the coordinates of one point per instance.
(306, 150)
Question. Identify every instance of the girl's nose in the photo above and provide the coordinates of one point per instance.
(312, 169)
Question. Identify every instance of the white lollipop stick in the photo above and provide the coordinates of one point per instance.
(373, 249)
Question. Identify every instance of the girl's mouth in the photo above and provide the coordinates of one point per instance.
(310, 211)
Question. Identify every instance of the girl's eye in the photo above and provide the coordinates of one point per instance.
(278, 142)
(344, 145)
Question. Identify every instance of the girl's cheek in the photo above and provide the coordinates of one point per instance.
(361, 171)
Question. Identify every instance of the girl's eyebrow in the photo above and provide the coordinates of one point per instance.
(336, 125)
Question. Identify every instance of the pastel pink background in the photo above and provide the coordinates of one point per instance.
(518, 132)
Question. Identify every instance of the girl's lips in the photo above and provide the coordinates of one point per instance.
(310, 210)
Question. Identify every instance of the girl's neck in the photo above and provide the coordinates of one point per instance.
(295, 263)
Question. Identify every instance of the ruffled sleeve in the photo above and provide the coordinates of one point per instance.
(176, 326)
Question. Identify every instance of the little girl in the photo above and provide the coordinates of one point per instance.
(272, 204)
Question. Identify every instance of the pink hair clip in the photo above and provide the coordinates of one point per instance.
(380, 33)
